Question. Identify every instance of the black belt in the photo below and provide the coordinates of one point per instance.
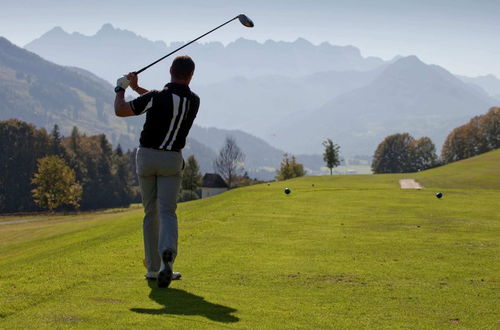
(155, 148)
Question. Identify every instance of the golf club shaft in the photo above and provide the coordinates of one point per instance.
(146, 67)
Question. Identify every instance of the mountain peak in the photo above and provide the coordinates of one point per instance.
(407, 66)
(56, 31)
(303, 42)
(410, 60)
(106, 29)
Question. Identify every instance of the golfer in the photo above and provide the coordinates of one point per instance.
(169, 116)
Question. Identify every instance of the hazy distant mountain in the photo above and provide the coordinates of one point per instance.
(37, 91)
(293, 94)
(489, 83)
(408, 96)
(112, 52)
(256, 105)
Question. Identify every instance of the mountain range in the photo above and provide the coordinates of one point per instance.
(111, 52)
(43, 93)
(407, 96)
(488, 83)
(293, 94)
(37, 91)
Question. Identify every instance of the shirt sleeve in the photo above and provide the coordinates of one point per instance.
(143, 103)
(195, 105)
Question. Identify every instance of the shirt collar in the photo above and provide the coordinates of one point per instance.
(177, 86)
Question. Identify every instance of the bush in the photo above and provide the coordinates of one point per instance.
(186, 196)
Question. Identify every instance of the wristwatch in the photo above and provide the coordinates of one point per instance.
(118, 89)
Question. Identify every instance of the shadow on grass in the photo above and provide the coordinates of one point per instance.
(180, 302)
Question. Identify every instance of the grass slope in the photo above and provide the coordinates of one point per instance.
(482, 172)
(338, 252)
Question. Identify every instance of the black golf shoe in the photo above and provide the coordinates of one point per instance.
(165, 273)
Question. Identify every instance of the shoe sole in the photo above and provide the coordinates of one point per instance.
(165, 276)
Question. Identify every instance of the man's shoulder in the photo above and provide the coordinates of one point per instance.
(195, 96)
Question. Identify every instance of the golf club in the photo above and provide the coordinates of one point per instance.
(242, 18)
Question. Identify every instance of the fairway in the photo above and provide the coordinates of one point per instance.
(338, 252)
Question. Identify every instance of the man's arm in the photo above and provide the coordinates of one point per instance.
(122, 107)
(132, 77)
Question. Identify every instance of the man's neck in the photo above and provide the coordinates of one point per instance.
(179, 81)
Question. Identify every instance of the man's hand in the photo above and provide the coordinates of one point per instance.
(134, 84)
(132, 77)
(123, 82)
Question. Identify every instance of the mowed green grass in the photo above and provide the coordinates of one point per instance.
(338, 252)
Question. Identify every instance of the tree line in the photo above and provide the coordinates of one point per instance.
(399, 153)
(104, 175)
(481, 134)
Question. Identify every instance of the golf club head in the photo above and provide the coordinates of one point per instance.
(245, 20)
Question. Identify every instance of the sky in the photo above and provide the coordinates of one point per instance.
(461, 35)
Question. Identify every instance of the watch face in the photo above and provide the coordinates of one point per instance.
(118, 89)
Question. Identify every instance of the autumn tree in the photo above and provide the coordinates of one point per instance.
(331, 154)
(229, 162)
(56, 184)
(479, 135)
(491, 128)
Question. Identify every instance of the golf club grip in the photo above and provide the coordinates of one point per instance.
(189, 43)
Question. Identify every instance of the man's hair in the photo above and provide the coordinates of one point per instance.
(182, 67)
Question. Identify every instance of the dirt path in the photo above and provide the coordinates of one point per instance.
(409, 184)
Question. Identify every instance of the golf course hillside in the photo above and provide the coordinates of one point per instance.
(340, 252)
(481, 172)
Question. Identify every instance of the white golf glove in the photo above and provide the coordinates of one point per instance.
(123, 82)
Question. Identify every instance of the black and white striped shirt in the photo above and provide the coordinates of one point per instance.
(169, 116)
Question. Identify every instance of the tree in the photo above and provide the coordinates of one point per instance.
(56, 138)
(21, 145)
(191, 178)
(479, 135)
(490, 127)
(229, 161)
(392, 156)
(423, 154)
(289, 168)
(123, 178)
(56, 184)
(74, 139)
(401, 153)
(331, 154)
(105, 175)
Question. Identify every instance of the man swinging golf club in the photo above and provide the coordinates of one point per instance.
(169, 116)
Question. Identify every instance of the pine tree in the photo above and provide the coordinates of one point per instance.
(21, 144)
(191, 178)
(56, 143)
(123, 178)
(74, 139)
